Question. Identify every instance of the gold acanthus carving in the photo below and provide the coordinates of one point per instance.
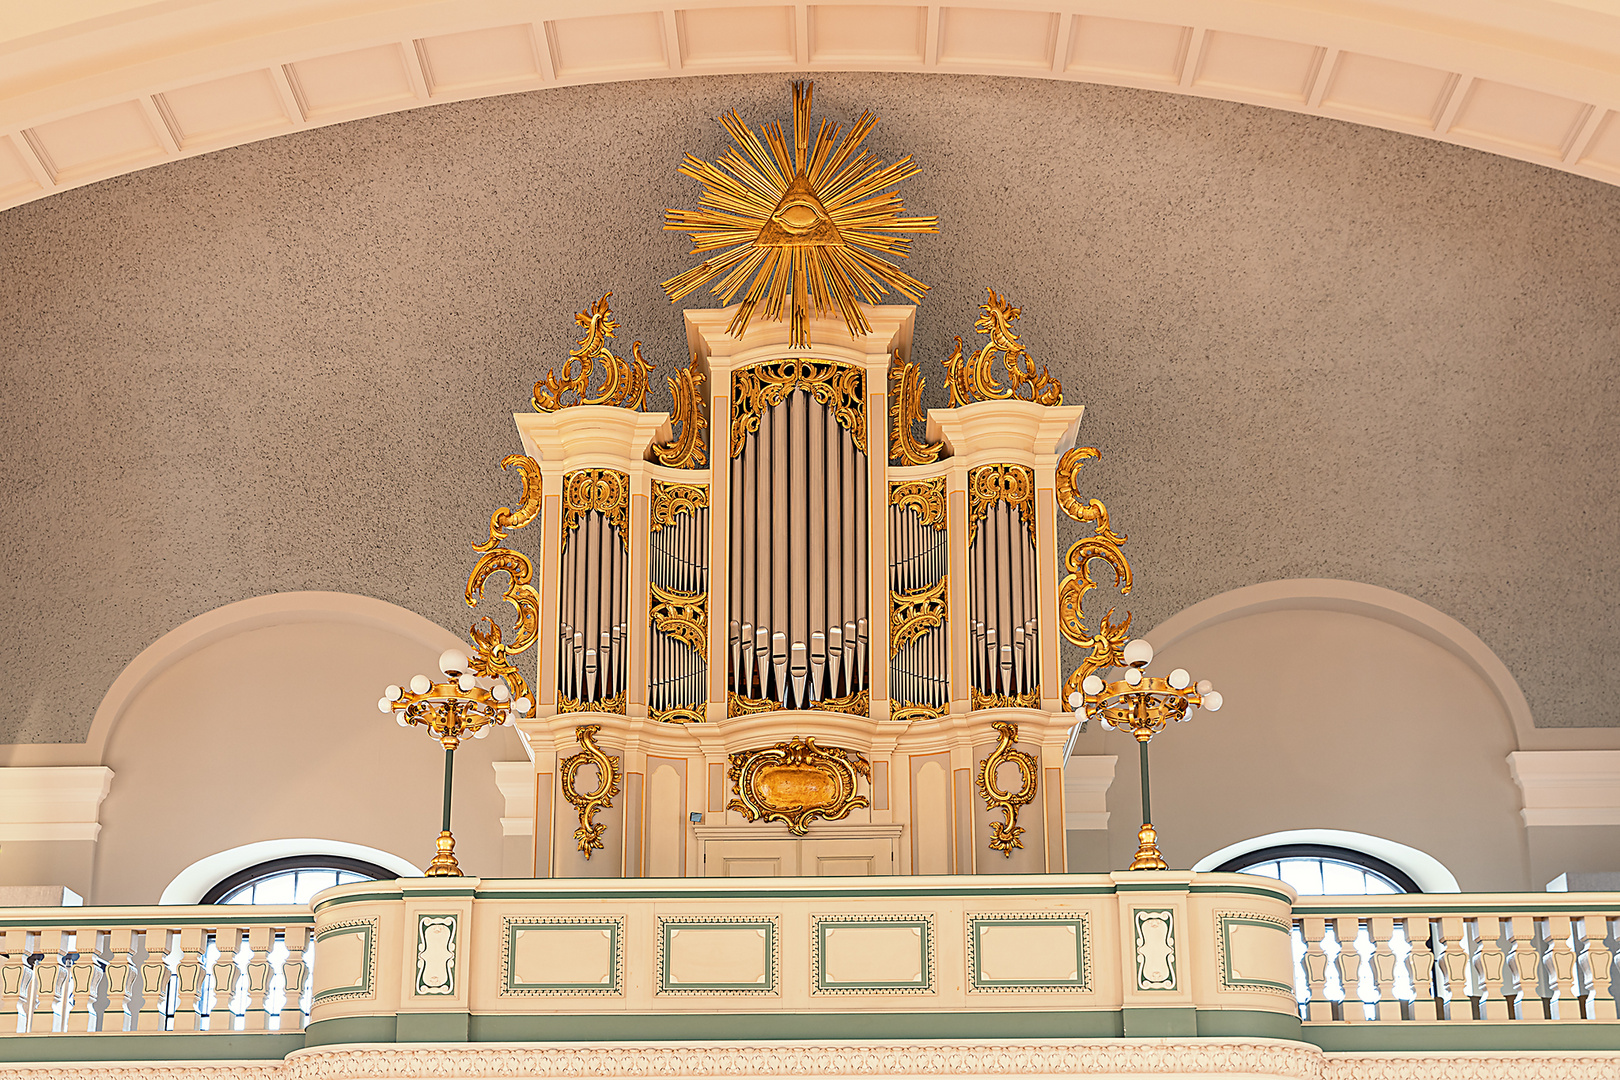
(492, 653)
(975, 379)
(977, 699)
(685, 451)
(757, 387)
(905, 409)
(588, 837)
(624, 383)
(613, 705)
(1105, 647)
(668, 500)
(678, 714)
(1004, 834)
(990, 484)
(737, 705)
(857, 704)
(909, 711)
(797, 781)
(804, 226)
(684, 616)
(926, 497)
(913, 614)
(606, 491)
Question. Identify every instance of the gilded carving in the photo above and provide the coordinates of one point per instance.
(858, 703)
(913, 614)
(1004, 834)
(492, 653)
(925, 497)
(614, 704)
(506, 519)
(668, 500)
(975, 379)
(801, 227)
(589, 834)
(678, 714)
(737, 705)
(1105, 646)
(905, 409)
(685, 451)
(990, 484)
(684, 616)
(840, 387)
(606, 491)
(797, 781)
(910, 711)
(624, 383)
(978, 699)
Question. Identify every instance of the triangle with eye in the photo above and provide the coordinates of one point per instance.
(799, 220)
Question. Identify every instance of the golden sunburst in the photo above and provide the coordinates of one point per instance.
(807, 227)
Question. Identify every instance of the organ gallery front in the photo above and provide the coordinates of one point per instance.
(798, 625)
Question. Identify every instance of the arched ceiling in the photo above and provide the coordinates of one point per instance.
(94, 88)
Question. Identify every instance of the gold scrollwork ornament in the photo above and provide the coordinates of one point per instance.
(975, 379)
(990, 484)
(905, 409)
(797, 781)
(1105, 647)
(683, 616)
(669, 500)
(685, 451)
(624, 383)
(1005, 834)
(840, 387)
(588, 836)
(491, 651)
(913, 614)
(606, 491)
(926, 498)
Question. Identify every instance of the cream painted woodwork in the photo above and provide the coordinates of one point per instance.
(96, 88)
(919, 812)
(1568, 787)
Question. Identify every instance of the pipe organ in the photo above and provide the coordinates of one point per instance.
(792, 634)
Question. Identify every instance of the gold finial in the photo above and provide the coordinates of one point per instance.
(804, 228)
(975, 380)
(624, 382)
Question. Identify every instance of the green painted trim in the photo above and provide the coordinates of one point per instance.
(92, 920)
(1168, 1023)
(1174, 888)
(1246, 890)
(925, 943)
(735, 1027)
(351, 1029)
(515, 926)
(1251, 1023)
(1464, 1035)
(669, 923)
(269, 1046)
(628, 895)
(363, 988)
(1138, 941)
(357, 898)
(1232, 981)
(1438, 909)
(1082, 949)
(450, 1027)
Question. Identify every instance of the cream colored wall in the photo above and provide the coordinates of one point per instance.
(1332, 720)
(274, 733)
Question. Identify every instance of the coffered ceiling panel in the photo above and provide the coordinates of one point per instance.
(502, 56)
(245, 104)
(879, 35)
(1372, 87)
(15, 176)
(1152, 52)
(605, 45)
(1012, 39)
(346, 82)
(1604, 150)
(91, 143)
(1542, 124)
(741, 37)
(1257, 66)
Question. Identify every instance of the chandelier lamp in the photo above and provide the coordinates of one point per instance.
(463, 705)
(1142, 706)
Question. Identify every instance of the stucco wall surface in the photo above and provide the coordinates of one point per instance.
(1308, 350)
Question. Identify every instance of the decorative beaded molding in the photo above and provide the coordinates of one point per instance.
(820, 924)
(1082, 932)
(1532, 1065)
(1230, 980)
(1209, 1056)
(367, 989)
(512, 925)
(769, 925)
(230, 1070)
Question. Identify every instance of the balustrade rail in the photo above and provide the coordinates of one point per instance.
(218, 968)
(1458, 958)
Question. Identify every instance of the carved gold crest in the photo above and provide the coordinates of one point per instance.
(796, 781)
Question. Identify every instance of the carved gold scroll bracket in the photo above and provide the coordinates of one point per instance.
(624, 382)
(757, 387)
(685, 451)
(606, 491)
(797, 781)
(913, 614)
(905, 410)
(492, 653)
(990, 484)
(975, 379)
(924, 497)
(1005, 834)
(1105, 646)
(588, 836)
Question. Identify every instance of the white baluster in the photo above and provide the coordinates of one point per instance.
(295, 973)
(1346, 930)
(188, 979)
(1457, 963)
(1600, 957)
(259, 939)
(1315, 963)
(1527, 1003)
(156, 979)
(1383, 963)
(1420, 963)
(15, 979)
(85, 975)
(228, 941)
(1492, 968)
(119, 982)
(1559, 981)
(50, 988)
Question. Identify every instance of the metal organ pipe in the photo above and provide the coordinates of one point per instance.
(1003, 647)
(678, 562)
(799, 597)
(919, 553)
(594, 606)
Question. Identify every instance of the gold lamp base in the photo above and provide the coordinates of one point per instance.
(1147, 851)
(444, 863)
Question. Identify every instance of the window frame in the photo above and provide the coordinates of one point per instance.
(270, 868)
(1398, 877)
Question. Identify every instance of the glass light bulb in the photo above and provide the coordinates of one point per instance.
(1212, 701)
(1179, 679)
(384, 705)
(466, 683)
(402, 721)
(500, 691)
(1134, 676)
(1138, 653)
(1205, 686)
(521, 706)
(481, 732)
(453, 662)
(1092, 685)
(1076, 699)
(421, 684)
(393, 693)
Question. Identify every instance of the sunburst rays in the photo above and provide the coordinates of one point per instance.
(800, 228)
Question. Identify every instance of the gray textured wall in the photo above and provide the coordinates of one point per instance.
(1308, 348)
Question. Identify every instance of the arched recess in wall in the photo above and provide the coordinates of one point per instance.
(257, 723)
(1348, 707)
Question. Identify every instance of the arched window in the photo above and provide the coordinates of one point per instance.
(293, 880)
(1323, 870)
